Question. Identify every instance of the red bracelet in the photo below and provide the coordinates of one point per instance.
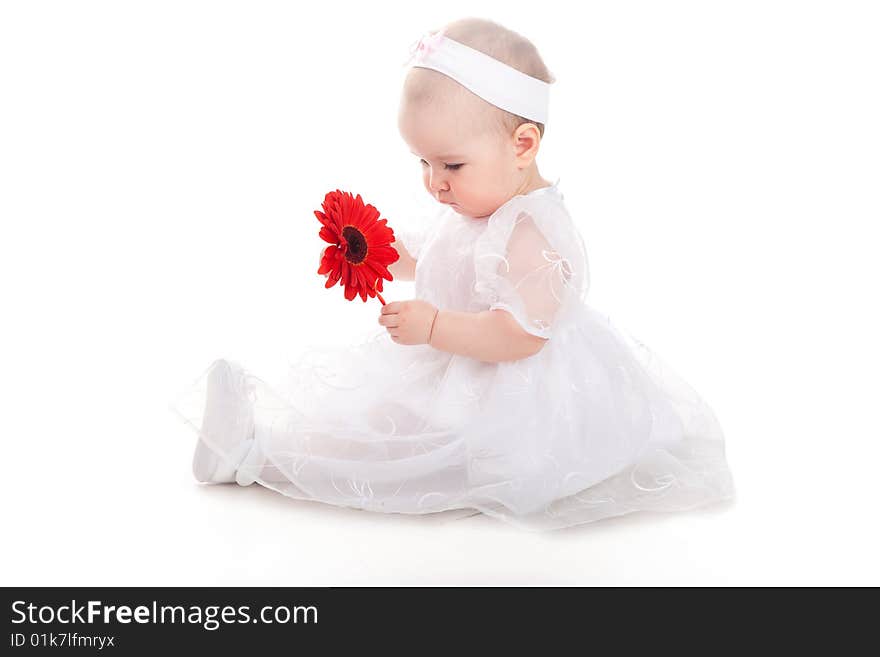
(431, 332)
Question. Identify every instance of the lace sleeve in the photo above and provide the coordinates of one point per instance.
(411, 238)
(521, 270)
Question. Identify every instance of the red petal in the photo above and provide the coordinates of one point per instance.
(335, 275)
(328, 235)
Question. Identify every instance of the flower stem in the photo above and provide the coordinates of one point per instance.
(378, 295)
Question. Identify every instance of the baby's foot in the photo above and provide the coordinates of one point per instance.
(227, 426)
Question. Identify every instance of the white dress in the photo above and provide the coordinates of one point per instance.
(593, 425)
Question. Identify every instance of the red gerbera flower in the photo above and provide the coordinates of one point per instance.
(361, 245)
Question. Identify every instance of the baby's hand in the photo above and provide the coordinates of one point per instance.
(321, 258)
(408, 322)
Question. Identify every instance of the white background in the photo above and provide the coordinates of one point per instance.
(159, 166)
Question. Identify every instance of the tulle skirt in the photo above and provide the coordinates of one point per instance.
(594, 425)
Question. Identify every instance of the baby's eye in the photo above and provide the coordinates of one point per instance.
(453, 167)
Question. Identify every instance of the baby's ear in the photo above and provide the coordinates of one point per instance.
(527, 142)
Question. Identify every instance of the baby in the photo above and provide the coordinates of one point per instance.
(497, 388)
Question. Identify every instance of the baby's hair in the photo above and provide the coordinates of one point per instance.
(498, 42)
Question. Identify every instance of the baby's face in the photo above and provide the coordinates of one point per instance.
(465, 164)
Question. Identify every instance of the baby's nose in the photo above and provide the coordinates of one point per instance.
(437, 184)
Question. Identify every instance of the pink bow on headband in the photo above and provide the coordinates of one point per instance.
(425, 46)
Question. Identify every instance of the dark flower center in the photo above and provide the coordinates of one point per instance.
(357, 244)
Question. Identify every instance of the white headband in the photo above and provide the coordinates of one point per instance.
(493, 81)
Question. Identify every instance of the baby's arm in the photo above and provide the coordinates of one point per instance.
(403, 269)
(491, 335)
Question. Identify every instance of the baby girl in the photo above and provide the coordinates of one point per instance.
(497, 388)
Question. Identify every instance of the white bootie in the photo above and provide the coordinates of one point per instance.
(227, 425)
(249, 464)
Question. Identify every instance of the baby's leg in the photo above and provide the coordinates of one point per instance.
(254, 464)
